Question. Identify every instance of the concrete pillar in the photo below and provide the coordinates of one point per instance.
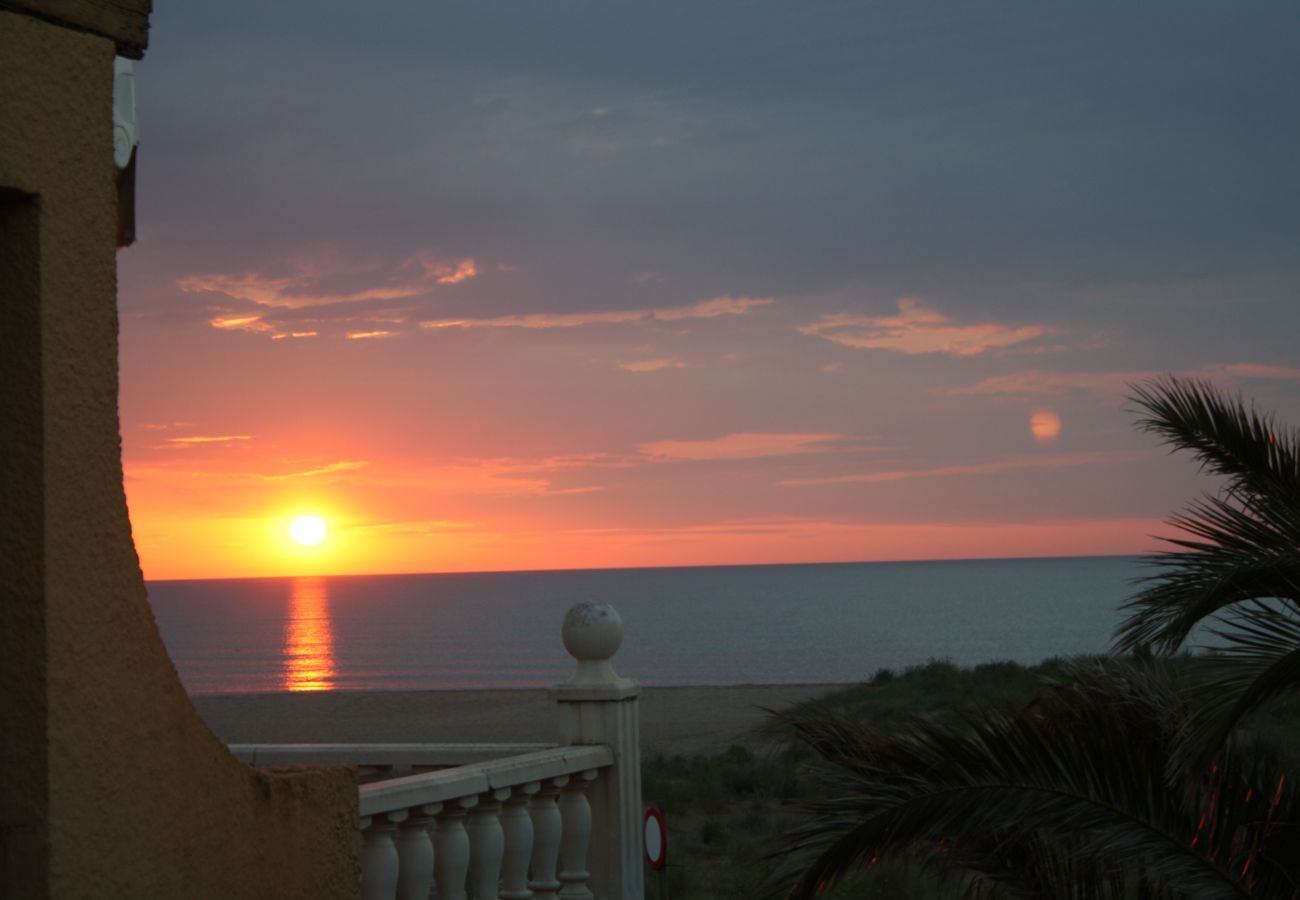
(596, 706)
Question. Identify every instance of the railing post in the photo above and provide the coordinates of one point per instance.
(517, 826)
(547, 826)
(596, 706)
(451, 849)
(487, 844)
(379, 860)
(415, 853)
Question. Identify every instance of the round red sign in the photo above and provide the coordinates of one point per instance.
(656, 837)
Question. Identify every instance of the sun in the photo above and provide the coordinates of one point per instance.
(307, 530)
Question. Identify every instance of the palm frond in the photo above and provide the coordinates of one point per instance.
(1256, 661)
(1229, 438)
(1241, 545)
(1082, 768)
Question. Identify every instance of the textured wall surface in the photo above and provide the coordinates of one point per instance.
(110, 783)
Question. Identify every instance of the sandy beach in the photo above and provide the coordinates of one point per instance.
(673, 719)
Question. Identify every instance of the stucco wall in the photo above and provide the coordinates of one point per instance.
(111, 785)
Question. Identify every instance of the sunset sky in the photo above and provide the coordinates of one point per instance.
(584, 284)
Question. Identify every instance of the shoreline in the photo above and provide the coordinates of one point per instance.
(673, 719)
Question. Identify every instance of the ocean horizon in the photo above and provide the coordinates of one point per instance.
(689, 625)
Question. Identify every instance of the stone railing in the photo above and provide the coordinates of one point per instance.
(507, 820)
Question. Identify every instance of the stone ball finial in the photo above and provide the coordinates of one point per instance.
(592, 634)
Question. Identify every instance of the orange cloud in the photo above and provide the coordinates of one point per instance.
(364, 335)
(202, 439)
(445, 274)
(919, 330)
(1011, 464)
(325, 280)
(293, 334)
(177, 442)
(652, 365)
(240, 323)
(745, 445)
(705, 309)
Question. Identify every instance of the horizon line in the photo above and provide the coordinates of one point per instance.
(534, 571)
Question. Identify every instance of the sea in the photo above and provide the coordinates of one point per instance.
(723, 625)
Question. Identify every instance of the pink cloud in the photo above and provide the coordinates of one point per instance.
(917, 329)
(705, 309)
(652, 365)
(745, 445)
(1010, 464)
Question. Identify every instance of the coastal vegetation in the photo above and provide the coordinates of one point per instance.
(1141, 775)
(1119, 780)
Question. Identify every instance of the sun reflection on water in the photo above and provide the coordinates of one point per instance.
(308, 638)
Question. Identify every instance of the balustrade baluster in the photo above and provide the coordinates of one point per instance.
(576, 813)
(547, 828)
(379, 863)
(415, 854)
(486, 845)
(451, 850)
(517, 827)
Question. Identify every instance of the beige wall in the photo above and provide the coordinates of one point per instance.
(110, 783)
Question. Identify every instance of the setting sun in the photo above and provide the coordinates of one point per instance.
(307, 530)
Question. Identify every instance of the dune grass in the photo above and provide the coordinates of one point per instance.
(727, 811)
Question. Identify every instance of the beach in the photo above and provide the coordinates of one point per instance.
(673, 719)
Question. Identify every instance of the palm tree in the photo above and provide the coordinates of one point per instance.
(1065, 798)
(1102, 787)
(1237, 570)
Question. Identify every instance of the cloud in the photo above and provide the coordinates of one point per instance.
(445, 274)
(326, 279)
(652, 365)
(1038, 382)
(204, 439)
(1010, 464)
(253, 323)
(918, 329)
(431, 527)
(344, 465)
(366, 335)
(744, 445)
(1260, 371)
(705, 309)
(165, 426)
(293, 334)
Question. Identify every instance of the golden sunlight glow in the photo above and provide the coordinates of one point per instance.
(307, 530)
(308, 638)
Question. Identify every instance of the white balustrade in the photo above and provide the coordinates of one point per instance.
(379, 862)
(508, 821)
(415, 853)
(547, 827)
(517, 828)
(451, 849)
(575, 812)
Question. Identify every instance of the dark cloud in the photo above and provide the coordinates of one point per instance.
(791, 149)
